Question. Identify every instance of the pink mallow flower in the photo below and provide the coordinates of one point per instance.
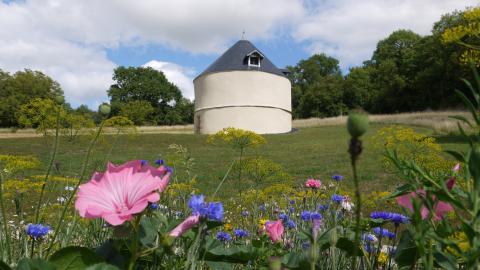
(186, 225)
(122, 191)
(439, 208)
(312, 183)
(274, 230)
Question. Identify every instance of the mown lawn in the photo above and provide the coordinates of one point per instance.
(310, 152)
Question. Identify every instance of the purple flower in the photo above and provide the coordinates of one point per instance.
(305, 245)
(224, 236)
(159, 162)
(322, 207)
(291, 210)
(283, 217)
(383, 232)
(239, 233)
(316, 216)
(36, 231)
(368, 237)
(396, 218)
(143, 162)
(245, 213)
(215, 211)
(197, 203)
(154, 206)
(291, 224)
(337, 198)
(306, 215)
(262, 208)
(292, 202)
(337, 177)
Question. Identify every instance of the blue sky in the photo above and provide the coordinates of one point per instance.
(79, 43)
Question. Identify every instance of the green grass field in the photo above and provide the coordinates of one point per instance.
(310, 152)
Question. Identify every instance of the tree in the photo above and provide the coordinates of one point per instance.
(316, 87)
(147, 84)
(41, 114)
(139, 111)
(358, 91)
(21, 87)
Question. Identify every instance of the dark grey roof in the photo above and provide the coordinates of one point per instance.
(235, 58)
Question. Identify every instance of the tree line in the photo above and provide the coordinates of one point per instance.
(407, 72)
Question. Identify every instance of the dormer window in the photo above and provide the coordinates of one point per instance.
(254, 58)
(254, 61)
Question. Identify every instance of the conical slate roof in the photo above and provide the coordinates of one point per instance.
(235, 59)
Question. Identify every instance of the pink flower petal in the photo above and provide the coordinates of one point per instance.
(186, 225)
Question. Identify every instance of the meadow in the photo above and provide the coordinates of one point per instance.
(316, 151)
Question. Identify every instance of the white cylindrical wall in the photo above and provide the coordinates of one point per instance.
(252, 100)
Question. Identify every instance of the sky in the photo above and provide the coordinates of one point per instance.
(79, 43)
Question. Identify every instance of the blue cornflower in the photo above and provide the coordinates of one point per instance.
(337, 177)
(37, 230)
(322, 207)
(197, 203)
(305, 245)
(159, 162)
(239, 233)
(291, 224)
(306, 215)
(154, 206)
(215, 211)
(383, 232)
(262, 208)
(368, 248)
(368, 237)
(143, 162)
(169, 169)
(389, 216)
(224, 236)
(245, 213)
(337, 198)
(291, 210)
(292, 202)
(316, 216)
(283, 217)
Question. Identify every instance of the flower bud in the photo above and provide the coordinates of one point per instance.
(474, 166)
(357, 124)
(59, 99)
(104, 109)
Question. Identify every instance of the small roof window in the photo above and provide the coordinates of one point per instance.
(254, 58)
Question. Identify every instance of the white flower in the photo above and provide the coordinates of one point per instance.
(347, 206)
(61, 199)
(69, 188)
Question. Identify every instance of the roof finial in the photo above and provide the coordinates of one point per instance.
(243, 34)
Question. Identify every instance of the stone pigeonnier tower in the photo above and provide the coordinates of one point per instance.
(242, 89)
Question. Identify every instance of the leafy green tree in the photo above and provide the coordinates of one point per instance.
(358, 90)
(147, 84)
(41, 114)
(316, 87)
(74, 123)
(139, 111)
(21, 87)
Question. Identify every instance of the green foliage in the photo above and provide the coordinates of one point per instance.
(146, 85)
(42, 115)
(139, 111)
(74, 123)
(19, 89)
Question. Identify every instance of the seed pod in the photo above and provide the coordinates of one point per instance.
(59, 99)
(104, 109)
(357, 124)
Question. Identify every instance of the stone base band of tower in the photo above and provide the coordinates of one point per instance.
(260, 119)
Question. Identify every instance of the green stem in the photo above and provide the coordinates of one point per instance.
(240, 169)
(32, 247)
(358, 210)
(223, 180)
(4, 217)
(49, 168)
(80, 180)
(134, 249)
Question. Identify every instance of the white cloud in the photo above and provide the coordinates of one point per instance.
(67, 39)
(177, 75)
(350, 29)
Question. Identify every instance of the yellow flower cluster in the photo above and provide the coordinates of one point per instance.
(237, 138)
(182, 189)
(462, 242)
(410, 145)
(14, 164)
(468, 30)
